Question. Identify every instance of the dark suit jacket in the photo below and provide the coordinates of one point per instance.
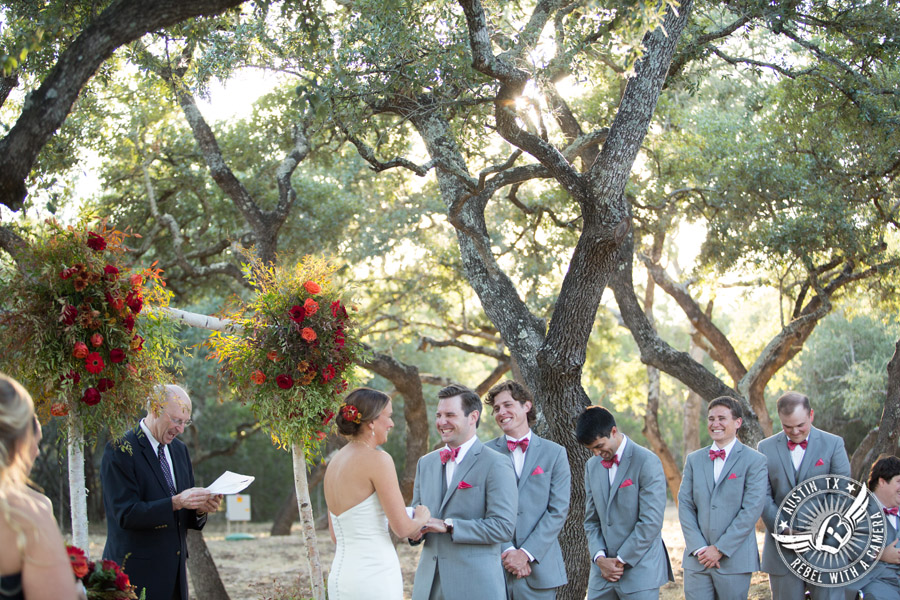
(144, 534)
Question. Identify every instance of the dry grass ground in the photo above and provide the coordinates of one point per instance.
(272, 568)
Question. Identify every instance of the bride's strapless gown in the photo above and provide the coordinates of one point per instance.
(365, 564)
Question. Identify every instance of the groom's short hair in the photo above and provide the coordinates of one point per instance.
(595, 422)
(467, 398)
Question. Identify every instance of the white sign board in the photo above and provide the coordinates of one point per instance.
(237, 507)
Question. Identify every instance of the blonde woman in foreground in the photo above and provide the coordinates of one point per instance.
(39, 569)
(363, 497)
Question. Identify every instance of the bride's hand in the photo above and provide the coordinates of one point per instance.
(421, 514)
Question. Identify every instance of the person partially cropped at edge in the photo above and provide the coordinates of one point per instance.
(625, 500)
(533, 558)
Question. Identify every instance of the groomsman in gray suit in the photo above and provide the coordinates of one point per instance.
(471, 493)
(793, 455)
(883, 581)
(624, 505)
(721, 498)
(533, 559)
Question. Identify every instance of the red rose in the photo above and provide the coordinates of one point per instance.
(328, 417)
(96, 242)
(105, 384)
(328, 373)
(285, 382)
(68, 314)
(258, 377)
(80, 350)
(308, 334)
(311, 306)
(66, 273)
(128, 323)
(116, 355)
(110, 565)
(338, 310)
(122, 581)
(297, 313)
(135, 301)
(312, 287)
(96, 340)
(78, 560)
(115, 301)
(91, 396)
(94, 363)
(59, 409)
(137, 343)
(111, 272)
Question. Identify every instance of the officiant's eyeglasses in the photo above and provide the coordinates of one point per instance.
(179, 422)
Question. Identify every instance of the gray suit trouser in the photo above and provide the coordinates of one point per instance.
(617, 594)
(436, 592)
(791, 587)
(710, 584)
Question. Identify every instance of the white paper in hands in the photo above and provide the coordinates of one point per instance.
(230, 483)
(410, 511)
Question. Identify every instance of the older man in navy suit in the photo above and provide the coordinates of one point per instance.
(533, 559)
(150, 498)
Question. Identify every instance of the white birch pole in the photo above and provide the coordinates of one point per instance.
(316, 581)
(77, 489)
(301, 485)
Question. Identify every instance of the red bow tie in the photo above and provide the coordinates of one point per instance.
(447, 454)
(609, 463)
(523, 444)
(792, 445)
(714, 454)
(892, 511)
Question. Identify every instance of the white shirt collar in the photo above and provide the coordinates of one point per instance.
(464, 448)
(153, 441)
(621, 449)
(727, 448)
(527, 436)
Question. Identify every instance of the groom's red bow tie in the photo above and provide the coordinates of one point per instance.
(792, 445)
(523, 444)
(714, 454)
(892, 511)
(609, 463)
(447, 454)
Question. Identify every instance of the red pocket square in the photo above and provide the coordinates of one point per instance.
(626, 483)
(732, 476)
(820, 462)
(537, 471)
(463, 486)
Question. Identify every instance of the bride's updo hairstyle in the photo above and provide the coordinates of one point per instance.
(16, 418)
(360, 406)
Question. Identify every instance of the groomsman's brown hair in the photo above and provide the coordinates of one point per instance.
(518, 391)
(467, 398)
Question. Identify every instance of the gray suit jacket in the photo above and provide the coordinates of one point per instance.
(626, 519)
(883, 581)
(544, 490)
(825, 455)
(723, 513)
(484, 516)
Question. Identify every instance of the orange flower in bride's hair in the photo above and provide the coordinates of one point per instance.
(311, 306)
(312, 287)
(308, 334)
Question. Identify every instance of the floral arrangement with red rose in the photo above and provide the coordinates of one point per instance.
(75, 329)
(292, 353)
(102, 580)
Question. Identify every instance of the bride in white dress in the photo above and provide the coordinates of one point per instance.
(363, 497)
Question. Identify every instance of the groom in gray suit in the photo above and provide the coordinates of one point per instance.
(625, 500)
(533, 559)
(471, 493)
(720, 500)
(794, 455)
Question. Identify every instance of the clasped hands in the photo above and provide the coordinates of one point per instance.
(709, 557)
(516, 562)
(431, 526)
(198, 499)
(610, 568)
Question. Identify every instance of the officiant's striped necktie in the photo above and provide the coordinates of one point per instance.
(164, 464)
